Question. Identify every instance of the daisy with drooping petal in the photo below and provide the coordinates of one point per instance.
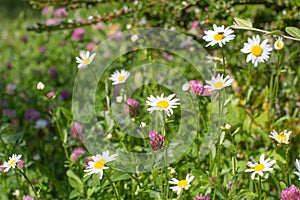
(182, 184)
(219, 82)
(162, 103)
(119, 77)
(278, 45)
(257, 52)
(297, 164)
(97, 163)
(218, 36)
(262, 166)
(12, 162)
(85, 59)
(282, 137)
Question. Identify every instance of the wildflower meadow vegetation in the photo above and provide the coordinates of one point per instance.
(195, 99)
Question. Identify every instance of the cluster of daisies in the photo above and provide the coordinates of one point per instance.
(266, 165)
(258, 52)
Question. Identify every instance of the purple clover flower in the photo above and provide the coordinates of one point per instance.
(157, 141)
(132, 107)
(290, 193)
(32, 115)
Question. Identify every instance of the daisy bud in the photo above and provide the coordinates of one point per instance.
(40, 86)
(278, 45)
(186, 87)
(143, 125)
(157, 141)
(119, 99)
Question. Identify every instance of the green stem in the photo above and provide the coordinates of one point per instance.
(112, 185)
(259, 188)
(263, 31)
(61, 134)
(223, 60)
(29, 182)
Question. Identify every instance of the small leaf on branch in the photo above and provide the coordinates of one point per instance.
(293, 31)
(276, 32)
(243, 23)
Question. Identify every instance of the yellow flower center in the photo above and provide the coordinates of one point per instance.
(279, 45)
(281, 138)
(259, 167)
(12, 162)
(162, 104)
(219, 36)
(256, 50)
(183, 183)
(86, 61)
(100, 164)
(218, 85)
(121, 78)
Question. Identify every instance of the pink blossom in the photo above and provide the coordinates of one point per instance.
(78, 34)
(195, 24)
(198, 88)
(200, 197)
(53, 21)
(46, 10)
(50, 94)
(26, 197)
(76, 130)
(60, 12)
(290, 193)
(98, 26)
(42, 49)
(77, 152)
(90, 46)
(116, 36)
(21, 163)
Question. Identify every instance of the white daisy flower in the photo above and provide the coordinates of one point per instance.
(282, 137)
(297, 164)
(262, 166)
(219, 82)
(182, 184)
(97, 164)
(85, 59)
(218, 36)
(258, 52)
(162, 103)
(12, 162)
(278, 45)
(119, 77)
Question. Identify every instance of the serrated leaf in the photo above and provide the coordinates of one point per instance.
(243, 23)
(276, 32)
(293, 31)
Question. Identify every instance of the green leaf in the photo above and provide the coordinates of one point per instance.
(75, 181)
(74, 194)
(282, 185)
(243, 23)
(276, 32)
(293, 31)
(120, 176)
